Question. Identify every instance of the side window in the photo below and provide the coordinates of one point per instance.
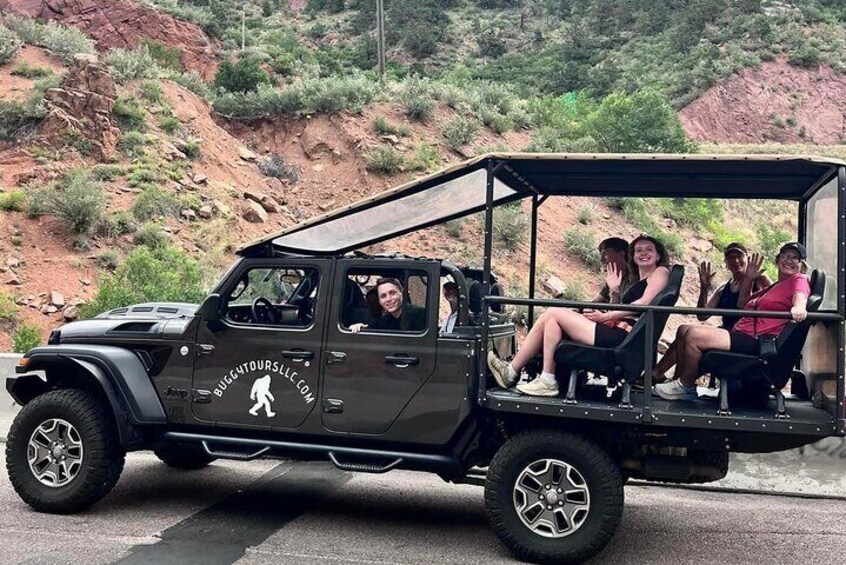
(271, 296)
(393, 301)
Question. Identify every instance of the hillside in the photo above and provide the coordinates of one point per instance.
(159, 160)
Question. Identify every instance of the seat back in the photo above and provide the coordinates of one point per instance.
(791, 340)
(630, 352)
(355, 306)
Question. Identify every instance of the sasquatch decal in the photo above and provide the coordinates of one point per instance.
(263, 397)
(271, 368)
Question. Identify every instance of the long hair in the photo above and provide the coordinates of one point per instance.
(663, 256)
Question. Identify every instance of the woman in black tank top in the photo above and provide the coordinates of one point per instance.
(725, 297)
(648, 261)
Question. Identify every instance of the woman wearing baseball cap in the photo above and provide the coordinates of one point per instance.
(789, 294)
(727, 296)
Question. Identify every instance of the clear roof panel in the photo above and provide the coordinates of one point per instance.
(454, 197)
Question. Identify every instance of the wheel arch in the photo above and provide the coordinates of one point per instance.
(113, 374)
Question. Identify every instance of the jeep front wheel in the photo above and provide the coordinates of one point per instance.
(62, 452)
(553, 497)
(182, 456)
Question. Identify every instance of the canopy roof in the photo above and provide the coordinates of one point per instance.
(461, 189)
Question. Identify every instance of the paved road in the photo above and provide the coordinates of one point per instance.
(272, 513)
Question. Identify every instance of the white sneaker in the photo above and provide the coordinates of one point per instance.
(499, 369)
(674, 390)
(538, 388)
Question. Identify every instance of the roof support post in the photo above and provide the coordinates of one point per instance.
(486, 277)
(841, 301)
(533, 258)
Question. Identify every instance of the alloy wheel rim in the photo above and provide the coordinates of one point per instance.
(55, 452)
(551, 498)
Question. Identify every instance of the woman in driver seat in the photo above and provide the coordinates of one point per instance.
(398, 315)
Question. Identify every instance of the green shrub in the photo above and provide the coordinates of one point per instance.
(152, 236)
(129, 113)
(274, 166)
(693, 212)
(27, 71)
(160, 275)
(63, 42)
(770, 240)
(10, 44)
(384, 127)
(510, 225)
(77, 200)
(13, 201)
(491, 44)
(243, 75)
(453, 228)
(19, 118)
(458, 132)
(152, 92)
(142, 175)
(170, 124)
(384, 160)
(117, 224)
(108, 260)
(108, 172)
(417, 98)
(425, 159)
(192, 147)
(8, 308)
(581, 243)
(127, 65)
(193, 82)
(164, 56)
(586, 214)
(807, 57)
(132, 143)
(152, 203)
(26, 337)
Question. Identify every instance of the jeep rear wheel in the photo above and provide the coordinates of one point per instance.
(62, 453)
(553, 497)
(182, 455)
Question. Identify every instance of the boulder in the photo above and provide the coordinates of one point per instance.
(253, 212)
(221, 208)
(247, 155)
(13, 280)
(57, 299)
(188, 214)
(205, 212)
(554, 286)
(70, 313)
(200, 178)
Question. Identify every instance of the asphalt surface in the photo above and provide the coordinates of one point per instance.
(270, 512)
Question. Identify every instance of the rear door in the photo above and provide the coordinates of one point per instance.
(259, 366)
(369, 377)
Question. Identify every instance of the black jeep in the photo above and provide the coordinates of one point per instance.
(268, 365)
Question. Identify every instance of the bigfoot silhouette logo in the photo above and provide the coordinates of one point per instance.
(263, 397)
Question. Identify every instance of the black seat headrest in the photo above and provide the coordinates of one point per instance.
(817, 284)
(475, 293)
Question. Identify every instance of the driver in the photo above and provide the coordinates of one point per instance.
(397, 316)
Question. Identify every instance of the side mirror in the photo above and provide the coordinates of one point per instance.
(210, 308)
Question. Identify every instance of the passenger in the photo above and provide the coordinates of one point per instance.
(614, 250)
(789, 294)
(725, 297)
(397, 316)
(648, 258)
(451, 296)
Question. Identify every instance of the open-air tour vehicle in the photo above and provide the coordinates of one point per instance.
(192, 383)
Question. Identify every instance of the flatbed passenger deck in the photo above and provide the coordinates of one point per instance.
(804, 419)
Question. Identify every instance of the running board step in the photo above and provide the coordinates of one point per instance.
(363, 467)
(237, 455)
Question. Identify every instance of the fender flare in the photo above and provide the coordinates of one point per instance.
(119, 373)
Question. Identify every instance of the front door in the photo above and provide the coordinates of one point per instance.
(260, 365)
(370, 376)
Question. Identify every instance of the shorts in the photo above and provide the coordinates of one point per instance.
(743, 343)
(608, 337)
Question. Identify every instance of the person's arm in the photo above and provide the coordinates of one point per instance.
(754, 269)
(355, 328)
(799, 311)
(613, 282)
(602, 295)
(654, 284)
(706, 283)
(763, 281)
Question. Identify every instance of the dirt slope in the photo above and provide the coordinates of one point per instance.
(777, 102)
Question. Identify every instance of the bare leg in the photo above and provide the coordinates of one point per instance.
(697, 340)
(551, 338)
(670, 358)
(533, 343)
(572, 324)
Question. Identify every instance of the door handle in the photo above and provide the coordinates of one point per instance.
(402, 361)
(335, 357)
(333, 406)
(298, 355)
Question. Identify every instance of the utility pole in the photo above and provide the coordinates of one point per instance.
(380, 35)
(243, 27)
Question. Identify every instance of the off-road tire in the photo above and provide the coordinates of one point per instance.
(602, 478)
(182, 456)
(102, 462)
(714, 458)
